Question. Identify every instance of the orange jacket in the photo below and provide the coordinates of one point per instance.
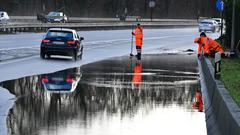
(138, 33)
(137, 77)
(198, 104)
(215, 46)
(203, 45)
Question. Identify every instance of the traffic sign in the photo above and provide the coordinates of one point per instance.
(152, 4)
(219, 5)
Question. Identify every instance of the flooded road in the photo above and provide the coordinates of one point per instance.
(117, 96)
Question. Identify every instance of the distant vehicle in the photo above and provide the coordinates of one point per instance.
(42, 17)
(4, 18)
(60, 41)
(208, 25)
(56, 17)
(219, 21)
(62, 81)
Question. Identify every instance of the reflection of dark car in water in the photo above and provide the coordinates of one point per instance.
(62, 81)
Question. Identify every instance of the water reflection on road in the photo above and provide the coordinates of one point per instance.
(112, 97)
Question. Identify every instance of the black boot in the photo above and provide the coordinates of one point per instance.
(139, 56)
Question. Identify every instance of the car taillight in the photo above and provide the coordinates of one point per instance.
(69, 79)
(45, 41)
(71, 42)
(45, 79)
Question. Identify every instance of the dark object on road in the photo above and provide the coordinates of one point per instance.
(189, 50)
(62, 81)
(41, 17)
(59, 41)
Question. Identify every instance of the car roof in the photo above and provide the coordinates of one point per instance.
(54, 12)
(208, 20)
(61, 29)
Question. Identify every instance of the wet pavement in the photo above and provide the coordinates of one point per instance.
(9, 54)
(114, 96)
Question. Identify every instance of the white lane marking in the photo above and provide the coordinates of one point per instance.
(17, 60)
(16, 48)
(97, 42)
(124, 40)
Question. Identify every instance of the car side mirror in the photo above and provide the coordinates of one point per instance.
(81, 38)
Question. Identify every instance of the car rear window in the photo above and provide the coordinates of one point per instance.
(55, 14)
(206, 23)
(64, 34)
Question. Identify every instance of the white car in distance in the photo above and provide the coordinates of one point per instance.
(4, 18)
(208, 25)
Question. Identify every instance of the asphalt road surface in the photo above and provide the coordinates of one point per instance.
(98, 45)
(169, 82)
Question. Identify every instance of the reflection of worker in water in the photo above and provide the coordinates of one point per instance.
(198, 104)
(137, 76)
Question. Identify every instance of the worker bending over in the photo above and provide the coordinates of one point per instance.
(207, 45)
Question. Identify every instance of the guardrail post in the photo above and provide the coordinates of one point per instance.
(217, 65)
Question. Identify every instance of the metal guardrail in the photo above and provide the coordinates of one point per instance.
(92, 23)
(82, 19)
(223, 108)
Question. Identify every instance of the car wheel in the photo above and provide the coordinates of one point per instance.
(48, 56)
(81, 53)
(42, 55)
(214, 29)
(75, 55)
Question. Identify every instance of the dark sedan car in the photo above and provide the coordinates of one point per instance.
(59, 41)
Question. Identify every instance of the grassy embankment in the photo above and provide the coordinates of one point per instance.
(230, 76)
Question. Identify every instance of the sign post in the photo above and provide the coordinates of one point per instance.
(220, 7)
(152, 4)
(217, 65)
(233, 28)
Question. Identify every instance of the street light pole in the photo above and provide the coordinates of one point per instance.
(221, 24)
(151, 14)
(151, 4)
(233, 27)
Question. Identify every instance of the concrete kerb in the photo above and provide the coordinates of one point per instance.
(220, 108)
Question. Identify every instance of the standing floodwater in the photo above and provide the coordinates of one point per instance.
(111, 97)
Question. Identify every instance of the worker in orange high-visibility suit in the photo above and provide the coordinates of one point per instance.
(214, 47)
(203, 45)
(137, 76)
(208, 45)
(138, 33)
(198, 104)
